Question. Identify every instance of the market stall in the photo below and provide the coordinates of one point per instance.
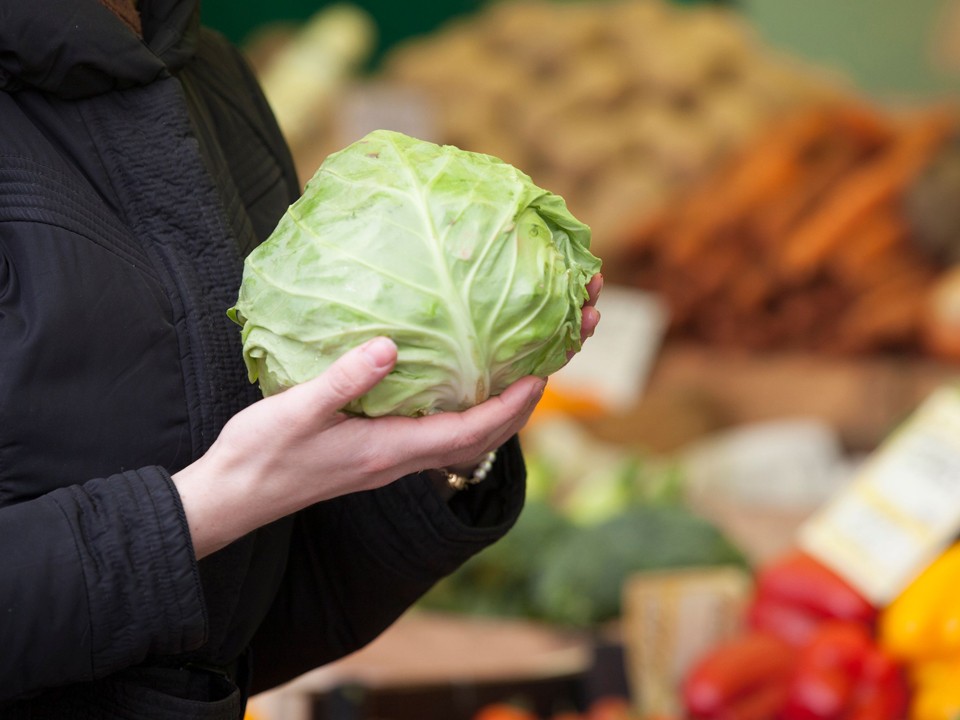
(743, 496)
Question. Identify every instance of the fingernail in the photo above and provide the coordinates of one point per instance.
(538, 391)
(380, 351)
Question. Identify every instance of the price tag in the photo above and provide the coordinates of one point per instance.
(901, 509)
(671, 618)
(615, 363)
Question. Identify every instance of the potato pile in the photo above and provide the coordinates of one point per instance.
(802, 241)
(613, 105)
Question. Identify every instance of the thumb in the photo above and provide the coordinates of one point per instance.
(350, 376)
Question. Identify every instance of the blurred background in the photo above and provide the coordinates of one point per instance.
(889, 47)
(773, 188)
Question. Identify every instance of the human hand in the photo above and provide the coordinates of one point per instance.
(589, 315)
(296, 448)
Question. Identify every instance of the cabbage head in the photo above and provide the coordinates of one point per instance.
(475, 273)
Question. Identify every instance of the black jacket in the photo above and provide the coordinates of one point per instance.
(134, 177)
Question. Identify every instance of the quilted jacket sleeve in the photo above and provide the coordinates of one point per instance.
(94, 578)
(358, 562)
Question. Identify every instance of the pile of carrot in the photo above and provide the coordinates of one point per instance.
(801, 242)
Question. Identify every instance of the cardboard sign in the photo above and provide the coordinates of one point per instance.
(901, 509)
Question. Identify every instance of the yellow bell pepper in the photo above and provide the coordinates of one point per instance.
(921, 628)
(923, 622)
(936, 690)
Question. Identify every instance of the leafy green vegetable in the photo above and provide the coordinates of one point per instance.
(476, 273)
(583, 574)
(550, 569)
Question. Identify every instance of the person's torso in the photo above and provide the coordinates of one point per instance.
(124, 220)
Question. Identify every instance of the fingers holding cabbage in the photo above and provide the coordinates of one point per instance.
(479, 276)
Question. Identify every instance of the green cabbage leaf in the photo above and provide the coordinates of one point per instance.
(476, 274)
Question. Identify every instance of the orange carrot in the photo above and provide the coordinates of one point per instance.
(875, 237)
(873, 184)
(771, 165)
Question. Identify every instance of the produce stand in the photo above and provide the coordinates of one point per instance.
(804, 238)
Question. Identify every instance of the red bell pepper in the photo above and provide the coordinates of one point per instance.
(842, 674)
(743, 679)
(796, 593)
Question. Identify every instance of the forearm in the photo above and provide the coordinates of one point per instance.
(226, 496)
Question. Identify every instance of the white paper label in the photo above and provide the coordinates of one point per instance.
(901, 510)
(615, 363)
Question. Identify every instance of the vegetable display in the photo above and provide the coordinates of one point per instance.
(618, 104)
(575, 576)
(810, 652)
(801, 242)
(476, 274)
(839, 673)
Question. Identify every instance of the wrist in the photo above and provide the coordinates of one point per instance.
(458, 477)
(220, 500)
(208, 530)
(448, 481)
